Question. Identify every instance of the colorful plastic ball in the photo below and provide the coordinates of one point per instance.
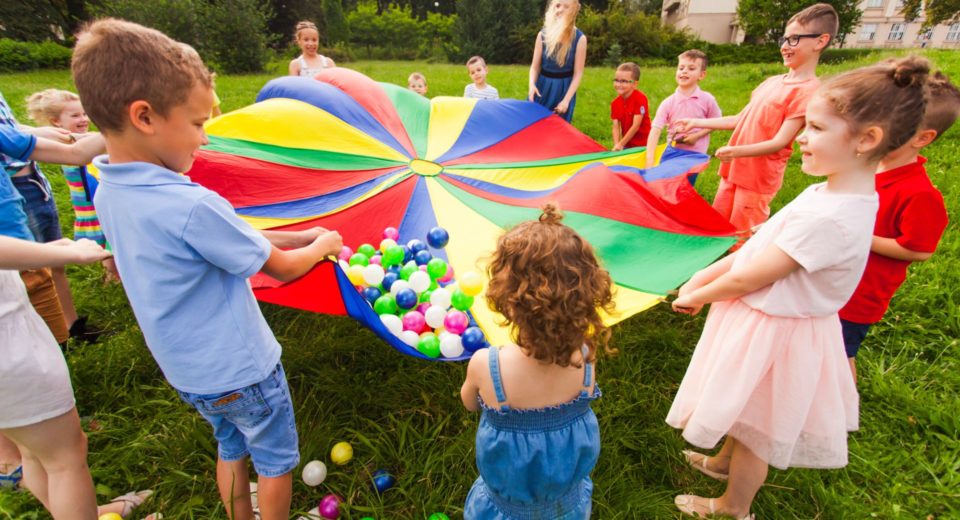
(422, 308)
(371, 294)
(330, 507)
(429, 345)
(419, 281)
(373, 274)
(423, 257)
(413, 320)
(367, 250)
(383, 480)
(448, 276)
(393, 255)
(471, 283)
(355, 274)
(438, 237)
(425, 295)
(461, 300)
(391, 233)
(341, 453)
(393, 323)
(416, 246)
(438, 516)
(440, 298)
(436, 268)
(110, 516)
(473, 339)
(314, 473)
(434, 316)
(376, 259)
(388, 278)
(406, 298)
(345, 253)
(386, 243)
(456, 322)
(385, 304)
(410, 337)
(408, 269)
(360, 259)
(451, 345)
(398, 286)
(407, 254)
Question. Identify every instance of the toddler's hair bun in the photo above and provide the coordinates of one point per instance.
(551, 214)
(911, 71)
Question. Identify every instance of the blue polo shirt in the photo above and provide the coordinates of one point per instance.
(16, 146)
(184, 257)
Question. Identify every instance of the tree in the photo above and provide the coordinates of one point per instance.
(488, 28)
(765, 20)
(34, 21)
(235, 34)
(177, 19)
(936, 11)
(336, 27)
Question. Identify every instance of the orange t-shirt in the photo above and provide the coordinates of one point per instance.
(771, 103)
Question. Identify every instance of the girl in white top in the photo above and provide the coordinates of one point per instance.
(308, 64)
(770, 372)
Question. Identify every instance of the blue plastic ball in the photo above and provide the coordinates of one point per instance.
(407, 254)
(438, 237)
(371, 294)
(407, 299)
(416, 246)
(423, 257)
(383, 480)
(388, 278)
(472, 339)
(395, 269)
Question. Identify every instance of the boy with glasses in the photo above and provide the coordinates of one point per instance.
(630, 110)
(763, 132)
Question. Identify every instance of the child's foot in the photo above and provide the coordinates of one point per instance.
(713, 467)
(124, 505)
(700, 507)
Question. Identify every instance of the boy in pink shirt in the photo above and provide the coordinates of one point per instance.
(687, 102)
(763, 132)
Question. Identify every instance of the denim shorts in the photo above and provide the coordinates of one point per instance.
(41, 209)
(853, 334)
(256, 420)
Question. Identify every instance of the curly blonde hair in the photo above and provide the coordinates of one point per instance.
(549, 286)
(45, 107)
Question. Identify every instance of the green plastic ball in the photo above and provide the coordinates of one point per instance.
(425, 296)
(392, 256)
(408, 269)
(436, 268)
(385, 304)
(360, 259)
(367, 250)
(429, 346)
(461, 300)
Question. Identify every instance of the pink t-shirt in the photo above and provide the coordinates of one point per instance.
(829, 235)
(771, 103)
(699, 105)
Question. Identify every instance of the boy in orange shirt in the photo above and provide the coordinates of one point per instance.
(763, 132)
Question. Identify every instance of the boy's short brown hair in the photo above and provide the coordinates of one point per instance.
(116, 63)
(695, 54)
(819, 19)
(477, 59)
(632, 68)
(943, 104)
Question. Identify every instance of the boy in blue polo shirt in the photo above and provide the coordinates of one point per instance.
(184, 255)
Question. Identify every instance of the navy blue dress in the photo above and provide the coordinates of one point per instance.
(535, 464)
(554, 80)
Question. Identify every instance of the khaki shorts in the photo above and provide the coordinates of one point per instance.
(43, 296)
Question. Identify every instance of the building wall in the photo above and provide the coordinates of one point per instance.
(711, 20)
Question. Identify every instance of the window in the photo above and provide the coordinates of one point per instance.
(953, 34)
(896, 32)
(925, 35)
(869, 31)
(874, 3)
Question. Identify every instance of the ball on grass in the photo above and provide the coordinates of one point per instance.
(341, 453)
(314, 473)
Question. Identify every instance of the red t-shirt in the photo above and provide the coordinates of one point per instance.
(911, 211)
(623, 110)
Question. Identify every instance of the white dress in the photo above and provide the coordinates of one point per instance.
(34, 381)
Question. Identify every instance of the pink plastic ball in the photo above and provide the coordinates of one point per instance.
(422, 308)
(456, 322)
(345, 253)
(391, 233)
(376, 259)
(414, 321)
(423, 267)
(330, 507)
(447, 277)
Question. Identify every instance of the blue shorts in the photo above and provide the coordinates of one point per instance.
(41, 209)
(256, 420)
(853, 334)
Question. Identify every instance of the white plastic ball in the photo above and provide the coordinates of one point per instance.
(314, 473)
(434, 316)
(373, 274)
(410, 338)
(398, 286)
(440, 298)
(419, 281)
(451, 346)
(393, 323)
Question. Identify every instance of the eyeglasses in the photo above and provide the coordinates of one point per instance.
(623, 81)
(794, 39)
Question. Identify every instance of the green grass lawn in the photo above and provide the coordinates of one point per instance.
(405, 415)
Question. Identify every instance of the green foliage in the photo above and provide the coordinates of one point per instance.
(765, 20)
(34, 21)
(22, 56)
(935, 11)
(614, 55)
(336, 29)
(396, 33)
(235, 35)
(502, 31)
(178, 19)
(640, 35)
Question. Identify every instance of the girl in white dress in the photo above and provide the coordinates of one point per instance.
(308, 64)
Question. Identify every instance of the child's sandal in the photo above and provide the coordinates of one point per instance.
(11, 481)
(698, 461)
(687, 504)
(132, 500)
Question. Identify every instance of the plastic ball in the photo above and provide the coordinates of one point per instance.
(471, 283)
(355, 274)
(416, 246)
(314, 473)
(388, 279)
(448, 276)
(373, 274)
(438, 237)
(406, 298)
(422, 308)
(382, 480)
(376, 259)
(360, 259)
(425, 295)
(371, 294)
(456, 322)
(423, 257)
(345, 253)
(435, 316)
(461, 300)
(110, 516)
(367, 250)
(473, 339)
(391, 233)
(387, 243)
(436, 268)
(451, 346)
(410, 337)
(393, 255)
(407, 254)
(341, 453)
(419, 281)
(413, 320)
(393, 323)
(440, 298)
(438, 516)
(330, 507)
(408, 269)
(398, 286)
(385, 304)
(429, 345)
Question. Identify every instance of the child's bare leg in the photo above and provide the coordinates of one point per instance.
(55, 466)
(853, 368)
(233, 480)
(9, 455)
(721, 461)
(747, 474)
(63, 292)
(274, 495)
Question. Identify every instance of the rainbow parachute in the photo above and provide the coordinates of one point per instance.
(347, 153)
